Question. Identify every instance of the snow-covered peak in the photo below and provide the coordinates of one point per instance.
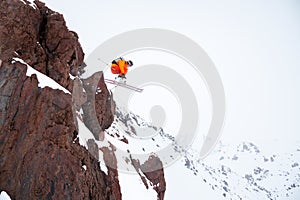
(42, 78)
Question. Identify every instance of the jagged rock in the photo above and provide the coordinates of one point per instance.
(98, 111)
(79, 95)
(151, 170)
(40, 37)
(113, 175)
(40, 157)
(155, 176)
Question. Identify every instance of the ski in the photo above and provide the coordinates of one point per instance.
(123, 85)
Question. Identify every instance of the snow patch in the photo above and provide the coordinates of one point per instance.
(80, 113)
(104, 168)
(31, 3)
(4, 196)
(84, 167)
(23, 1)
(71, 76)
(83, 90)
(74, 141)
(98, 90)
(16, 53)
(55, 13)
(84, 134)
(136, 189)
(42, 78)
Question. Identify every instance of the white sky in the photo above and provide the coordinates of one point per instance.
(255, 46)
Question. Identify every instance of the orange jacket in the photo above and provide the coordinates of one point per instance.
(120, 68)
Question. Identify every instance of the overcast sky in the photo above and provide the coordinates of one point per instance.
(255, 46)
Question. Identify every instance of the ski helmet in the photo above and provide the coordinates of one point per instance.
(130, 63)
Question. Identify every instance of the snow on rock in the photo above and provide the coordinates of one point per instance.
(243, 171)
(84, 136)
(71, 76)
(4, 196)
(98, 90)
(84, 167)
(31, 3)
(44, 81)
(246, 172)
(84, 133)
(124, 133)
(23, 1)
(104, 168)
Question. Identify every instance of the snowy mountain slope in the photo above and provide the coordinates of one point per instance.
(242, 171)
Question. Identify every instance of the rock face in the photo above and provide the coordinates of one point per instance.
(40, 157)
(156, 177)
(40, 152)
(39, 36)
(147, 173)
(96, 107)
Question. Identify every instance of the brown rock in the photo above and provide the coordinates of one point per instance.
(40, 37)
(151, 170)
(40, 157)
(98, 111)
(156, 177)
(113, 175)
(78, 93)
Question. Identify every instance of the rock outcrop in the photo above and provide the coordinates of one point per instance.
(156, 177)
(97, 105)
(39, 36)
(152, 171)
(40, 155)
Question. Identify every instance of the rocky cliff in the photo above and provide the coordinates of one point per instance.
(42, 104)
(40, 157)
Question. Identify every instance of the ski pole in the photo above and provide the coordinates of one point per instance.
(103, 61)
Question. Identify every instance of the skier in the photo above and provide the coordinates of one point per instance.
(120, 66)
